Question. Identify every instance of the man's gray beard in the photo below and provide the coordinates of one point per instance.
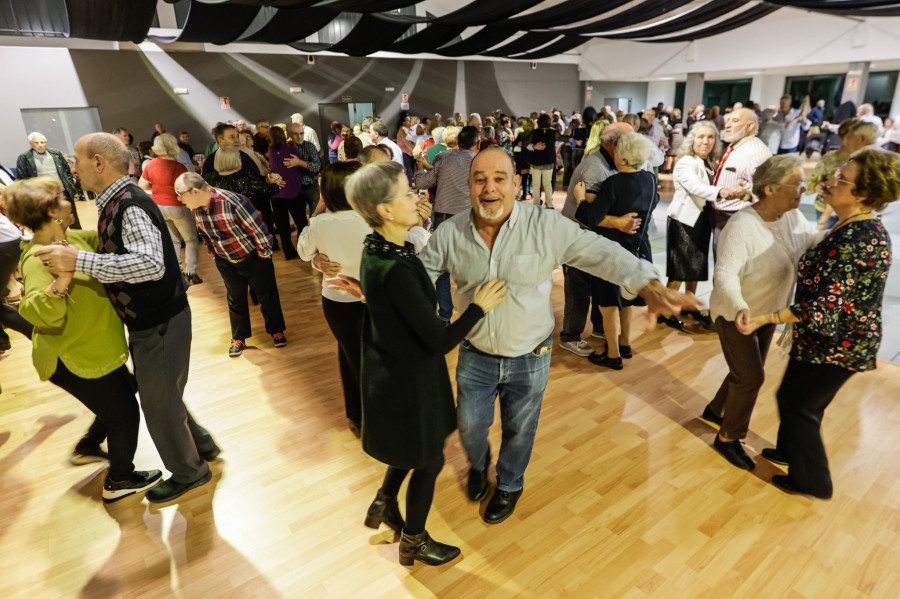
(485, 214)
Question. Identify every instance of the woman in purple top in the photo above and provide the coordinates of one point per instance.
(287, 200)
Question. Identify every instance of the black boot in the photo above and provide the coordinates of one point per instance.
(425, 549)
(384, 509)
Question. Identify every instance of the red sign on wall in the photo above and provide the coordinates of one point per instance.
(404, 98)
(224, 102)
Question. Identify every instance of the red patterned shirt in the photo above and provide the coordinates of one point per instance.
(231, 227)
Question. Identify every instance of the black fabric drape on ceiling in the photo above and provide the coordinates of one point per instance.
(480, 12)
(529, 41)
(214, 23)
(707, 12)
(643, 12)
(565, 13)
(366, 6)
(428, 39)
(856, 8)
(564, 44)
(110, 20)
(370, 35)
(292, 24)
(480, 41)
(748, 16)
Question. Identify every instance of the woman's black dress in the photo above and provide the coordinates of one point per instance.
(618, 195)
(407, 402)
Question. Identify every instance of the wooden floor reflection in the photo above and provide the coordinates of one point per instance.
(623, 497)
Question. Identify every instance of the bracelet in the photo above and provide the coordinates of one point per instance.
(60, 294)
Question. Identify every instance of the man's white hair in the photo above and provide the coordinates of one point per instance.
(297, 118)
(34, 135)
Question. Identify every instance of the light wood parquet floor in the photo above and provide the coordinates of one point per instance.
(623, 497)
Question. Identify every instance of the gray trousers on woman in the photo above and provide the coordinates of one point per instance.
(746, 359)
(161, 357)
(182, 227)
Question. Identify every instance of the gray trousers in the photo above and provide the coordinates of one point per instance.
(161, 357)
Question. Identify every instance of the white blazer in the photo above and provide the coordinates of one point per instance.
(692, 190)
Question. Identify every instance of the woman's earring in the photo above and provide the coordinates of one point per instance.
(390, 218)
(58, 221)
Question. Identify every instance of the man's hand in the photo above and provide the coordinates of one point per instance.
(328, 268)
(743, 322)
(539, 146)
(660, 299)
(579, 191)
(58, 258)
(627, 223)
(346, 284)
(292, 161)
(424, 208)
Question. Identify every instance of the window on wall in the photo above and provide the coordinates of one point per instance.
(62, 126)
(726, 93)
(880, 91)
(817, 87)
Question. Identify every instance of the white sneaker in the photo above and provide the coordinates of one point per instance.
(598, 334)
(579, 348)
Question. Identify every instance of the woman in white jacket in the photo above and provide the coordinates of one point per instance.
(689, 227)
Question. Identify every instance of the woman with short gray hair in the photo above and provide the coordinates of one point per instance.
(756, 268)
(407, 401)
(158, 179)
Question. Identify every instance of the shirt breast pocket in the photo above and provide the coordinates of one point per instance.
(524, 270)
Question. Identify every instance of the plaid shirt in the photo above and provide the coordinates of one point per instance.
(144, 260)
(311, 157)
(231, 227)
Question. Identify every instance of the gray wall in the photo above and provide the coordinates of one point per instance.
(636, 90)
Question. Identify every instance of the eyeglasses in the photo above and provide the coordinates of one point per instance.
(837, 175)
(798, 186)
(181, 193)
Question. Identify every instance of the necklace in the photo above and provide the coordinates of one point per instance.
(849, 218)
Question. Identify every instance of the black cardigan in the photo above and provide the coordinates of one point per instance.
(407, 401)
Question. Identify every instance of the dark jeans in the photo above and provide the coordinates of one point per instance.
(263, 205)
(788, 150)
(805, 392)
(284, 209)
(345, 319)
(746, 359)
(419, 492)
(409, 165)
(9, 315)
(162, 356)
(442, 284)
(577, 288)
(111, 398)
(310, 199)
(259, 275)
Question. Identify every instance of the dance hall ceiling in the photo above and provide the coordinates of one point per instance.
(518, 29)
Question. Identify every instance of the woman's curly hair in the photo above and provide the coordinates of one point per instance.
(878, 178)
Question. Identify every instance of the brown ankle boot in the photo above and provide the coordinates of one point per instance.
(425, 549)
(384, 509)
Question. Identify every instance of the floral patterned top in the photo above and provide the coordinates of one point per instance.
(840, 285)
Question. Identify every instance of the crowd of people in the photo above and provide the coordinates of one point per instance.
(392, 219)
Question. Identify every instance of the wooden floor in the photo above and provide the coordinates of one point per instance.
(623, 497)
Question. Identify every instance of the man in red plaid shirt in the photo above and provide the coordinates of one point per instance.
(236, 236)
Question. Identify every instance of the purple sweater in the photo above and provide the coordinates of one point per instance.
(293, 175)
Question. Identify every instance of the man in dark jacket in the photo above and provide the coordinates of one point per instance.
(41, 161)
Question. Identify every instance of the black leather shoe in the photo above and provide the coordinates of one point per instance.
(604, 360)
(385, 509)
(625, 351)
(501, 506)
(734, 453)
(169, 490)
(670, 321)
(783, 482)
(774, 456)
(423, 548)
(210, 454)
(711, 417)
(478, 484)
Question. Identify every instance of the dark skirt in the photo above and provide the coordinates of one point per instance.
(605, 294)
(687, 256)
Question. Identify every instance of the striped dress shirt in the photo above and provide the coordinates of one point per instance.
(748, 153)
(450, 174)
(144, 260)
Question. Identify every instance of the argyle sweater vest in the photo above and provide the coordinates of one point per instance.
(151, 303)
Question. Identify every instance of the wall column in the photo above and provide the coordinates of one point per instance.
(693, 93)
(895, 103)
(855, 83)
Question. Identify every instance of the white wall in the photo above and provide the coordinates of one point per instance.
(661, 91)
(34, 78)
(636, 90)
(766, 90)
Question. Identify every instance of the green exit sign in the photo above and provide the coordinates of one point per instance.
(346, 99)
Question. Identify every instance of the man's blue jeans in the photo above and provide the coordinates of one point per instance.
(442, 284)
(519, 382)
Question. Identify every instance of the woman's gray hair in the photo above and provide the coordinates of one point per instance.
(687, 146)
(371, 185)
(636, 149)
(775, 170)
(438, 135)
(227, 160)
(166, 146)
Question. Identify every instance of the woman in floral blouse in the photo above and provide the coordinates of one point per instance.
(837, 316)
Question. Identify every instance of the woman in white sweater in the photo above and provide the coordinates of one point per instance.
(755, 272)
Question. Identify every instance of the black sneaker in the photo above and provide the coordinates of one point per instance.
(88, 455)
(5, 344)
(139, 481)
(236, 348)
(170, 490)
(279, 339)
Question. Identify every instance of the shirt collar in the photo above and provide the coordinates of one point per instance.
(114, 188)
(43, 156)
